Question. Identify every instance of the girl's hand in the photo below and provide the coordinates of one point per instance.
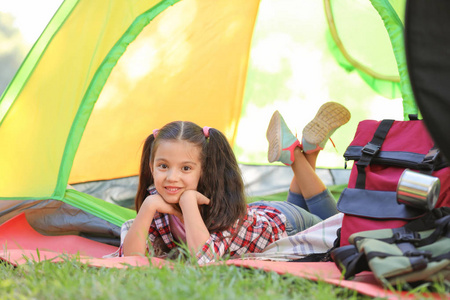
(135, 242)
(192, 196)
(158, 203)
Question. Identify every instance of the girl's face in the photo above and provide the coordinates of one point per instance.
(176, 168)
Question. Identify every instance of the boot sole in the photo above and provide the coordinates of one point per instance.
(273, 135)
(330, 116)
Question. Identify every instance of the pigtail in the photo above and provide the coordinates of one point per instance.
(222, 183)
(145, 175)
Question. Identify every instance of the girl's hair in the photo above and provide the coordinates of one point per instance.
(220, 179)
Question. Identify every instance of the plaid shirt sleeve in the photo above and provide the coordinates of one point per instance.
(261, 226)
(159, 227)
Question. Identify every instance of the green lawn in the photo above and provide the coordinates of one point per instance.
(73, 280)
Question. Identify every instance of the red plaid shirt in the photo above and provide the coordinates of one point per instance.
(261, 226)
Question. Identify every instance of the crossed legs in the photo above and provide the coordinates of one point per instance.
(305, 181)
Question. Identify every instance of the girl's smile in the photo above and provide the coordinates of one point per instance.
(176, 168)
(172, 189)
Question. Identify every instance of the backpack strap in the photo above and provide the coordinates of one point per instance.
(437, 220)
(433, 160)
(370, 150)
(442, 229)
(349, 260)
(407, 239)
(431, 156)
(417, 259)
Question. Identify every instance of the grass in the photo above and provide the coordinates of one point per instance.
(74, 280)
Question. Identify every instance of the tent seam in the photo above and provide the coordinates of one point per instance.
(101, 75)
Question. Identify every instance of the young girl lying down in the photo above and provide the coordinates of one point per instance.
(191, 190)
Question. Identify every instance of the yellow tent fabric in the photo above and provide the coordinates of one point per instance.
(178, 68)
(42, 127)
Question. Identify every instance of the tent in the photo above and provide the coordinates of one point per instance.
(103, 74)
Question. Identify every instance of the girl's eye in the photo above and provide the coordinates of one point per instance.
(186, 168)
(163, 166)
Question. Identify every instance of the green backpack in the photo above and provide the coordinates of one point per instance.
(415, 253)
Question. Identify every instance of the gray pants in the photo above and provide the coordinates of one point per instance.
(303, 213)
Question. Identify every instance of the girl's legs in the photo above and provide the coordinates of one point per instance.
(305, 180)
(298, 219)
(307, 189)
(295, 192)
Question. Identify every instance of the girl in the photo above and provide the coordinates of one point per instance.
(191, 190)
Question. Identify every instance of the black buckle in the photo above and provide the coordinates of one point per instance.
(407, 237)
(371, 149)
(431, 156)
(426, 254)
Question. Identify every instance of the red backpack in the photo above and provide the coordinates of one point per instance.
(382, 150)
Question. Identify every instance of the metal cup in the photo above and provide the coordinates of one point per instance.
(418, 190)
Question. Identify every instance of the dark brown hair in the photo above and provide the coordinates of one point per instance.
(220, 179)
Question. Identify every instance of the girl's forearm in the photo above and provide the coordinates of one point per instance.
(135, 242)
(196, 232)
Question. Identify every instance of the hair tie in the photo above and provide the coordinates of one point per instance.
(155, 132)
(206, 131)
